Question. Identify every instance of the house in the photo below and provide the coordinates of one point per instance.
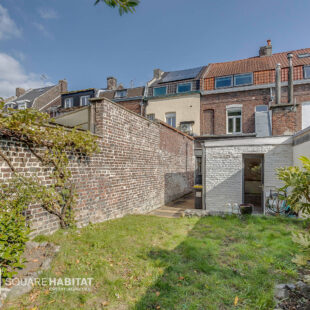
(174, 97)
(42, 99)
(129, 98)
(255, 118)
(238, 97)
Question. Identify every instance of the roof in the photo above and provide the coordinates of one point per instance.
(78, 91)
(131, 93)
(257, 63)
(180, 75)
(32, 94)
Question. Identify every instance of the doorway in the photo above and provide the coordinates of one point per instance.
(253, 181)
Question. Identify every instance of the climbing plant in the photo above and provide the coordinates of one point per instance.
(53, 146)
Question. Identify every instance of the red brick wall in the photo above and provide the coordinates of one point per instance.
(286, 122)
(132, 105)
(141, 166)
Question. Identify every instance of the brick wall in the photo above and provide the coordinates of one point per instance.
(284, 120)
(224, 171)
(132, 105)
(141, 166)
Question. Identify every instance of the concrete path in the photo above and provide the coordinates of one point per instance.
(176, 208)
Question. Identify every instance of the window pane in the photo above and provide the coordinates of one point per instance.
(183, 88)
(307, 72)
(225, 81)
(234, 113)
(160, 91)
(171, 119)
(121, 93)
(238, 124)
(151, 117)
(230, 125)
(243, 79)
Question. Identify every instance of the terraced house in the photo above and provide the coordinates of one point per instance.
(174, 97)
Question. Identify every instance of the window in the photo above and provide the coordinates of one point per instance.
(84, 100)
(243, 79)
(9, 105)
(171, 119)
(151, 117)
(234, 120)
(261, 108)
(120, 93)
(187, 127)
(184, 88)
(22, 106)
(69, 102)
(160, 91)
(224, 81)
(307, 72)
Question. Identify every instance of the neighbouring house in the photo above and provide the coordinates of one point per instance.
(129, 98)
(43, 99)
(238, 97)
(174, 97)
(255, 118)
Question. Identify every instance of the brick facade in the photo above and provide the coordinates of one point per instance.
(133, 105)
(224, 166)
(141, 166)
(284, 120)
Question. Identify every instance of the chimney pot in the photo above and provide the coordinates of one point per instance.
(19, 91)
(266, 50)
(111, 83)
(157, 73)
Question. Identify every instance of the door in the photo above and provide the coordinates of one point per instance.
(253, 181)
(305, 113)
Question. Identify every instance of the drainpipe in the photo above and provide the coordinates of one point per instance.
(278, 84)
(290, 79)
(203, 176)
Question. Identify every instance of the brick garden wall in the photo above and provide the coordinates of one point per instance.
(141, 166)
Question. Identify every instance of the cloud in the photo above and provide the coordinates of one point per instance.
(8, 27)
(47, 13)
(13, 75)
(43, 30)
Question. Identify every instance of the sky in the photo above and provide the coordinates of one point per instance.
(43, 41)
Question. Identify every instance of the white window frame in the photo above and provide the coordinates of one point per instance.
(120, 91)
(306, 77)
(233, 108)
(71, 102)
(181, 84)
(171, 115)
(158, 88)
(81, 100)
(249, 73)
(22, 106)
(151, 116)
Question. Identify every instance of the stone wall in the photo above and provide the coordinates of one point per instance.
(141, 166)
(224, 164)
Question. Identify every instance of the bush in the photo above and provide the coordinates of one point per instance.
(13, 237)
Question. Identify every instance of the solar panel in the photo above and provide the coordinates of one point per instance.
(181, 75)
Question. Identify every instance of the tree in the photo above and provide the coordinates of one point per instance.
(124, 6)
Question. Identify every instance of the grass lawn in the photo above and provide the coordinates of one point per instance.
(146, 262)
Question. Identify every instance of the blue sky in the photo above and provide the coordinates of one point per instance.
(83, 43)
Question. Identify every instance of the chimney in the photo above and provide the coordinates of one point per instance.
(290, 79)
(278, 84)
(157, 73)
(63, 86)
(19, 91)
(111, 83)
(266, 50)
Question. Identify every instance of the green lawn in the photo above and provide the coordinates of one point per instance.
(145, 262)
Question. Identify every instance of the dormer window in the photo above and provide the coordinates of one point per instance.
(22, 106)
(224, 81)
(307, 72)
(69, 102)
(160, 91)
(243, 79)
(184, 87)
(84, 101)
(121, 93)
(9, 105)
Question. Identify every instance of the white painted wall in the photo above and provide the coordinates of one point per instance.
(186, 107)
(223, 169)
